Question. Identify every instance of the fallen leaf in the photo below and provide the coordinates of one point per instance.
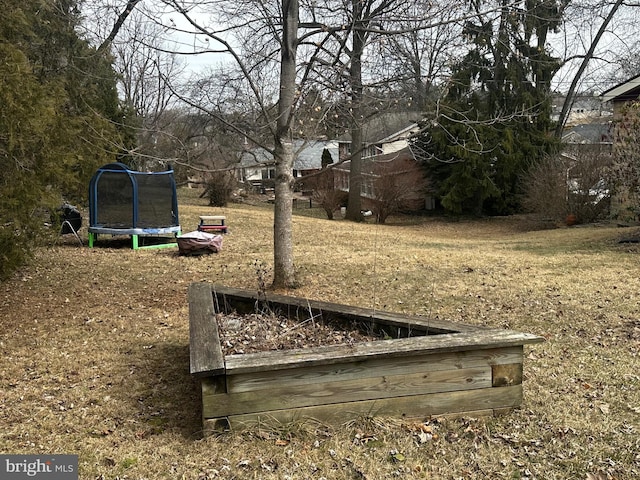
(397, 456)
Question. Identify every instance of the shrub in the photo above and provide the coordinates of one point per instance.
(325, 193)
(575, 183)
(220, 187)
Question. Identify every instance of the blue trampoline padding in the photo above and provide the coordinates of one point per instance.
(134, 231)
(127, 202)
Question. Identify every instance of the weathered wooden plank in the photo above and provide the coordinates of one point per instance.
(213, 385)
(412, 407)
(375, 367)
(337, 392)
(332, 354)
(204, 342)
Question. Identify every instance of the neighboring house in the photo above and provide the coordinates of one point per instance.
(583, 109)
(625, 198)
(593, 137)
(588, 124)
(389, 167)
(586, 149)
(385, 133)
(622, 93)
(257, 165)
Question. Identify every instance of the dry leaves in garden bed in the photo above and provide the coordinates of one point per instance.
(241, 334)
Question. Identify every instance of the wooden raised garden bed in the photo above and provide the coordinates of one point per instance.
(422, 368)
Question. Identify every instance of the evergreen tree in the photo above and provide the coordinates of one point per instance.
(495, 118)
(59, 104)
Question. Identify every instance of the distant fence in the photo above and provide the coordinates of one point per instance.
(303, 203)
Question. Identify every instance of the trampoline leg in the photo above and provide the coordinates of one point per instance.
(92, 238)
(134, 241)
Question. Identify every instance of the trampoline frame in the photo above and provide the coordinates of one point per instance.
(135, 232)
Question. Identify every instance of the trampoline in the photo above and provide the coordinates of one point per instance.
(137, 204)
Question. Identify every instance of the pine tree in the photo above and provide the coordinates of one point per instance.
(495, 118)
(59, 104)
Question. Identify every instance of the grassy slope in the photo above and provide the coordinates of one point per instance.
(94, 347)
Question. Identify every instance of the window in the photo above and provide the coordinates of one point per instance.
(268, 173)
(367, 187)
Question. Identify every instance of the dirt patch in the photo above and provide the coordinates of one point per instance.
(240, 334)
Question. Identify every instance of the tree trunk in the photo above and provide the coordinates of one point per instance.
(283, 270)
(568, 101)
(354, 205)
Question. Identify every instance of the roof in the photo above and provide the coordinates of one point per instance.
(591, 133)
(308, 154)
(370, 164)
(627, 90)
(310, 157)
(384, 126)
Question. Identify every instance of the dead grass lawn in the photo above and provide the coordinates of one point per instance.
(94, 347)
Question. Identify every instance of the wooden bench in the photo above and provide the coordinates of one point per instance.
(212, 223)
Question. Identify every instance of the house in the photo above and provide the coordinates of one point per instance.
(388, 164)
(594, 136)
(622, 93)
(588, 125)
(625, 200)
(257, 165)
(584, 108)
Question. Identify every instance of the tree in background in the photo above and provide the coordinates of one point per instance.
(144, 69)
(396, 187)
(573, 186)
(59, 105)
(324, 189)
(495, 117)
(418, 57)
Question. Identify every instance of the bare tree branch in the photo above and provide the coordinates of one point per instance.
(131, 4)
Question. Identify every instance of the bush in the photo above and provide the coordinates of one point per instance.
(13, 253)
(330, 200)
(545, 189)
(219, 188)
(572, 184)
(325, 193)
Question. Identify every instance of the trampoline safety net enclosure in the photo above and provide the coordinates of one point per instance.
(128, 202)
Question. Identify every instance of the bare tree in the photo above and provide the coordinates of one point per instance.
(257, 37)
(419, 57)
(143, 67)
(326, 194)
(588, 56)
(284, 270)
(574, 184)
